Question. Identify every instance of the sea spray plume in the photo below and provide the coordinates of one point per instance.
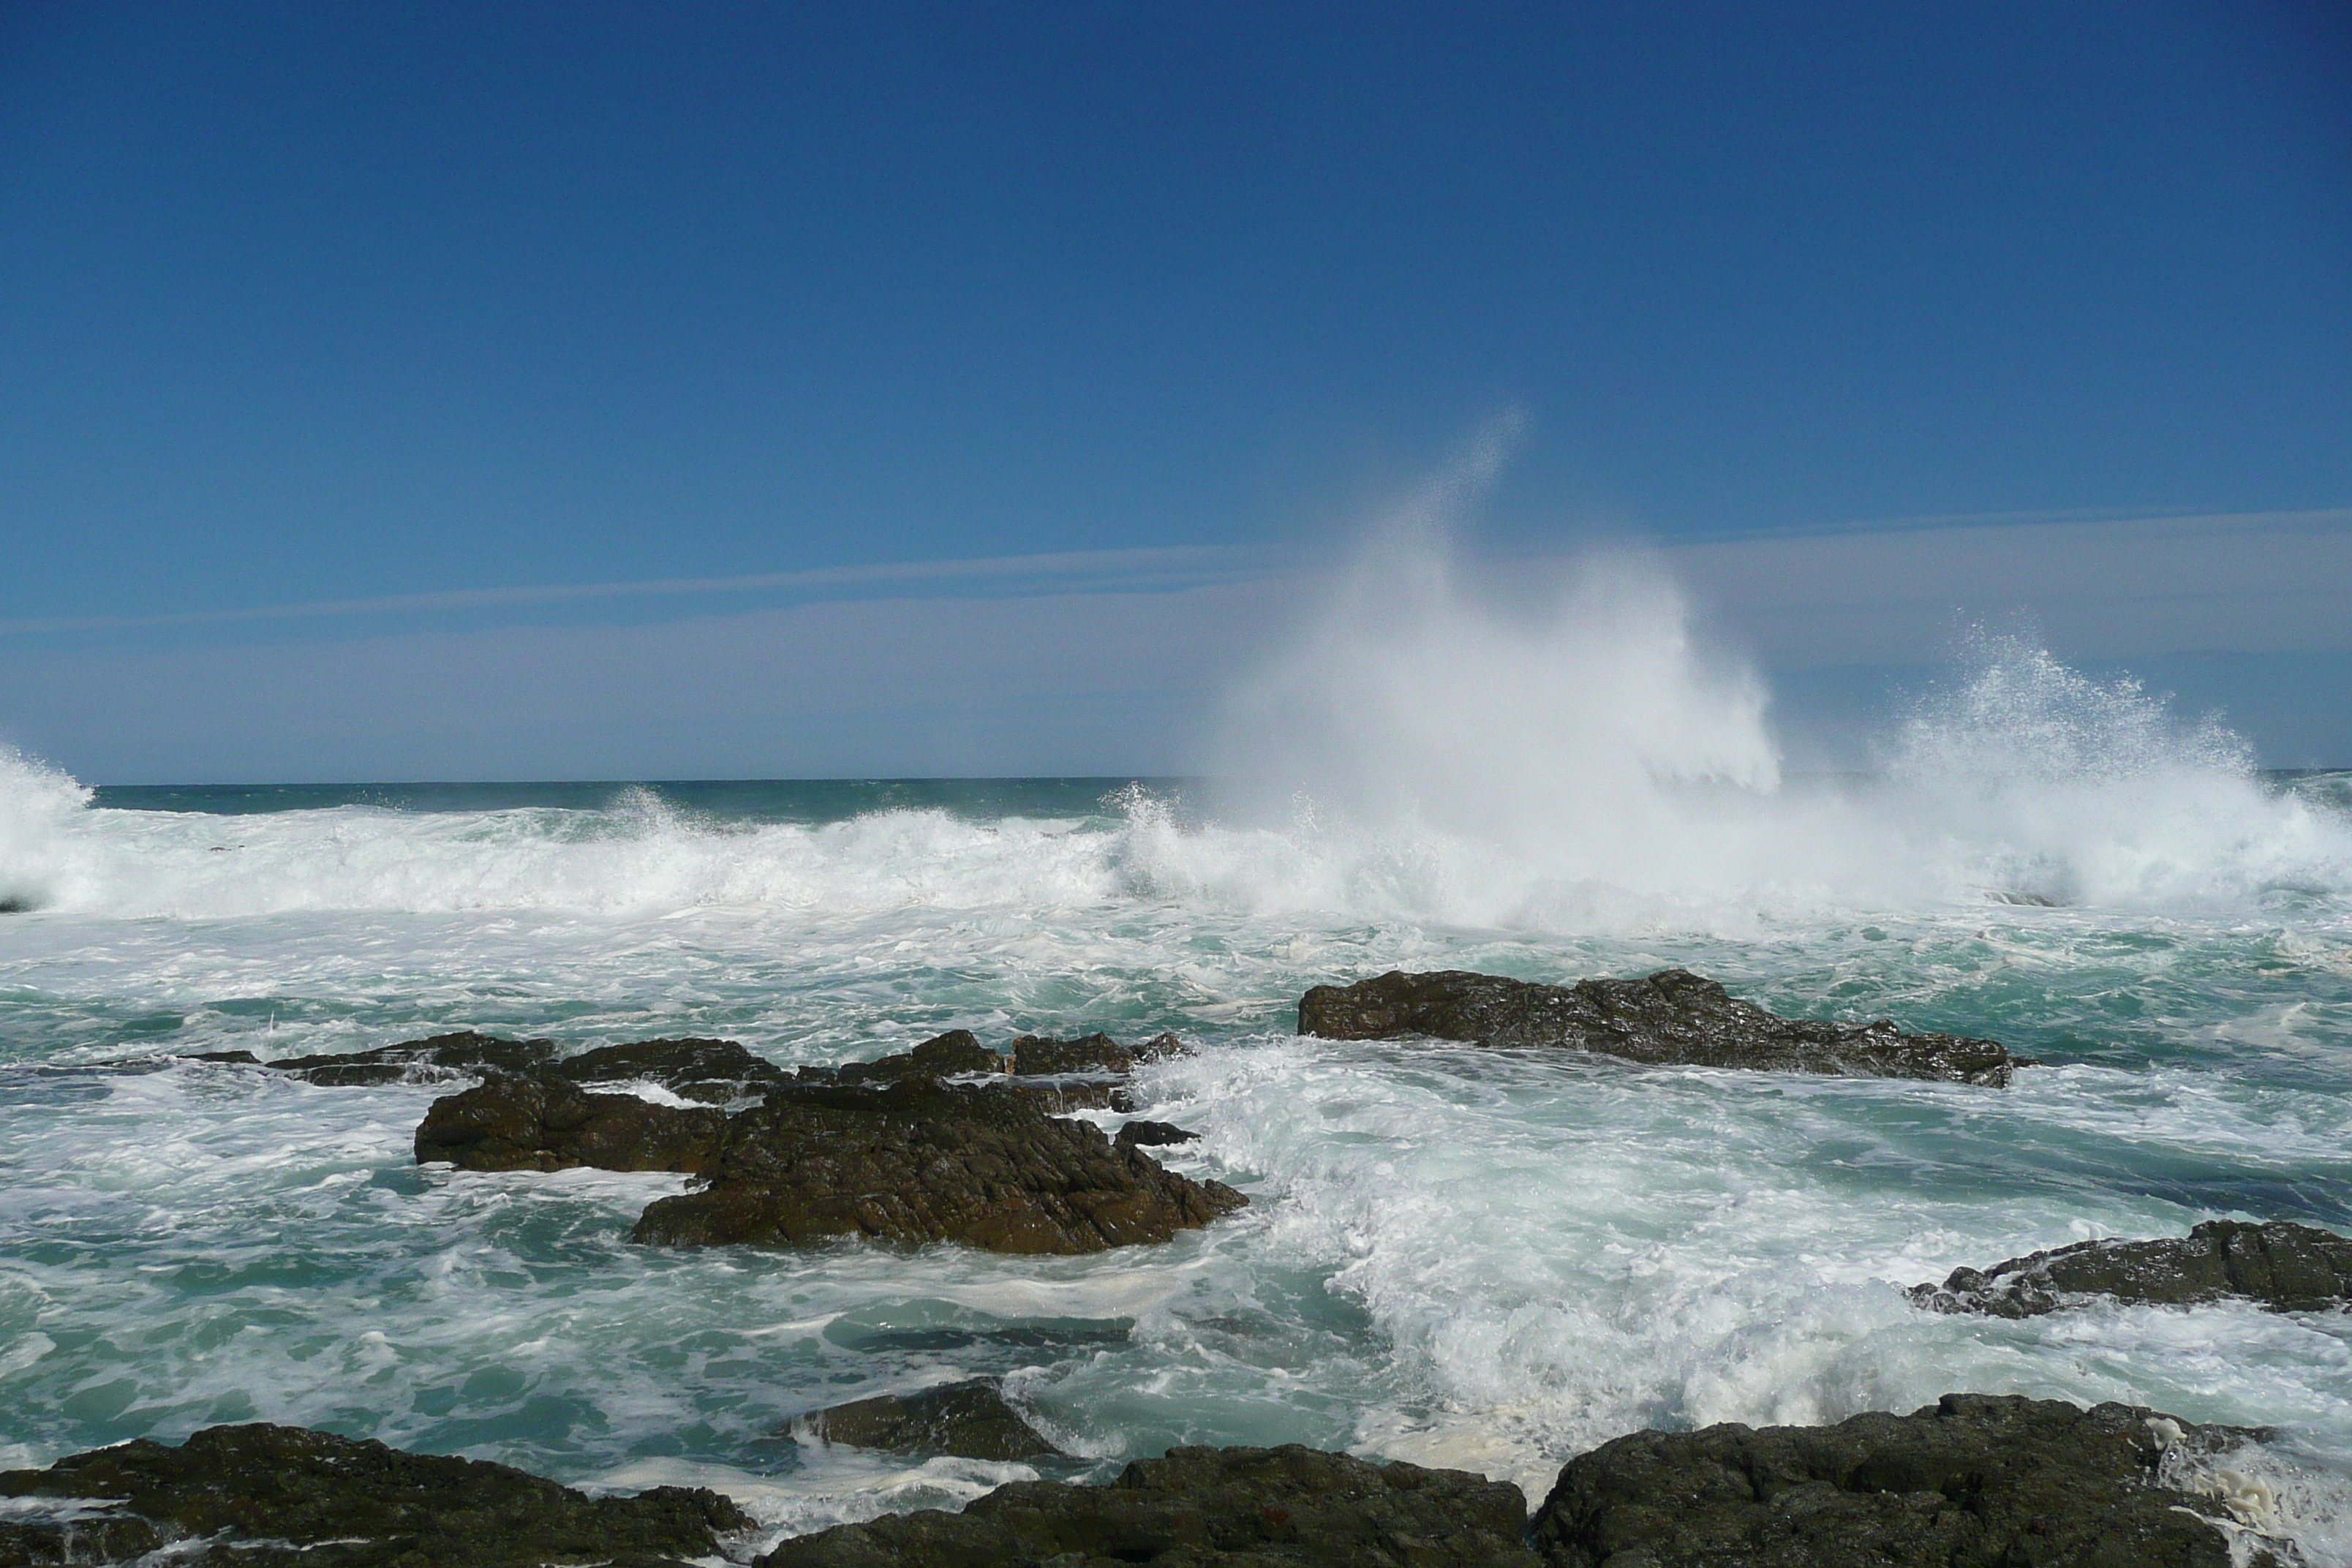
(1410, 700)
(40, 807)
(2032, 782)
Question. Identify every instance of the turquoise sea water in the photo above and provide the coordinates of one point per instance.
(1484, 1259)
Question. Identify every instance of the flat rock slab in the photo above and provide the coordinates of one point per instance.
(921, 1161)
(1972, 1479)
(1673, 1018)
(284, 1497)
(1203, 1508)
(2286, 1267)
(971, 1420)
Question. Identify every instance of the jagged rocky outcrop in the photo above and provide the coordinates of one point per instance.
(263, 1496)
(971, 1420)
(1671, 1017)
(951, 1055)
(1246, 1508)
(925, 1160)
(1971, 1479)
(2286, 1267)
(551, 1124)
(916, 1160)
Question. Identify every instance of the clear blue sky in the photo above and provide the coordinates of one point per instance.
(326, 302)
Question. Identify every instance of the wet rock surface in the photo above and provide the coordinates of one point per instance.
(1671, 1018)
(2286, 1267)
(714, 1072)
(437, 1059)
(1231, 1508)
(1153, 1135)
(1971, 1479)
(924, 1161)
(551, 1125)
(895, 1149)
(971, 1420)
(957, 1052)
(274, 1496)
(1089, 1053)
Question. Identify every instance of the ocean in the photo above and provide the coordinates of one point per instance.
(1489, 1260)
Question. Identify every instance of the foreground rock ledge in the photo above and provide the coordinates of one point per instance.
(2283, 1266)
(1971, 1479)
(284, 1497)
(1198, 1507)
(1673, 1018)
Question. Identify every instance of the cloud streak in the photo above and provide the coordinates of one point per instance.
(1066, 572)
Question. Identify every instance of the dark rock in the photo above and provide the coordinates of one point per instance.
(712, 1072)
(1671, 1018)
(1972, 1479)
(279, 1497)
(1061, 1096)
(434, 1060)
(1233, 1508)
(971, 1420)
(2286, 1267)
(1153, 1134)
(921, 1161)
(548, 1124)
(943, 1056)
(1096, 1052)
(238, 1059)
(1162, 1048)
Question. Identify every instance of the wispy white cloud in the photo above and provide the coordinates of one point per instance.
(1066, 571)
(2103, 588)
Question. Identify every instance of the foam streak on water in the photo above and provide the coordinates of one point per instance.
(1463, 1257)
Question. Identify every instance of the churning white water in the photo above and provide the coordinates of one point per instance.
(1483, 1259)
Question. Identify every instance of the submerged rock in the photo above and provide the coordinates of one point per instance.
(1971, 1479)
(922, 1161)
(276, 1497)
(2286, 1267)
(971, 1420)
(437, 1059)
(1671, 1018)
(550, 1124)
(712, 1072)
(1200, 1507)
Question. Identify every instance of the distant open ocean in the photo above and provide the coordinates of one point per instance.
(1479, 1259)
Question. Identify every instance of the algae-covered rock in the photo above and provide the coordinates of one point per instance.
(2284, 1266)
(1671, 1018)
(263, 1496)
